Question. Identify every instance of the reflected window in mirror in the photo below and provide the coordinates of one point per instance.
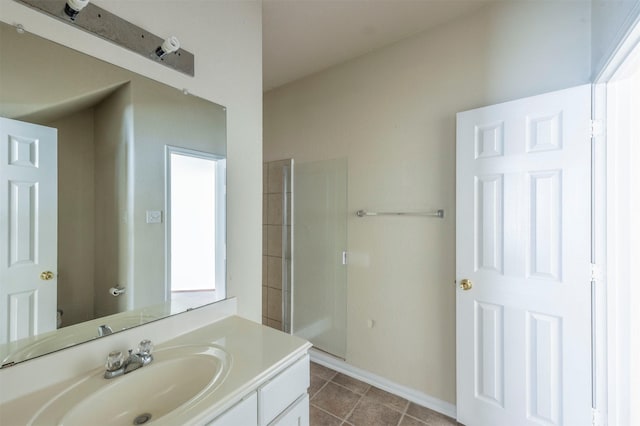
(195, 222)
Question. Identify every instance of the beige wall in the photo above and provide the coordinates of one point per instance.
(92, 234)
(113, 129)
(76, 206)
(159, 117)
(392, 113)
(93, 254)
(91, 185)
(225, 37)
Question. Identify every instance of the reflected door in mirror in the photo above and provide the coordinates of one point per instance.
(28, 229)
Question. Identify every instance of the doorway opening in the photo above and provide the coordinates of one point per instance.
(195, 225)
(617, 231)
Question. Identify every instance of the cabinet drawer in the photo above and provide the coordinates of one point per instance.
(243, 413)
(296, 415)
(283, 390)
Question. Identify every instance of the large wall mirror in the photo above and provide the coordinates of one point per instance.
(112, 198)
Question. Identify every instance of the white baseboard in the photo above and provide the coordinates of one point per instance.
(412, 395)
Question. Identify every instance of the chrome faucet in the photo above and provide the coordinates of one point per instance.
(118, 366)
(104, 330)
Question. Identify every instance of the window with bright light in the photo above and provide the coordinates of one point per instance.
(195, 215)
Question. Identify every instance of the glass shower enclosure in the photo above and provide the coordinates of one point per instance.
(319, 285)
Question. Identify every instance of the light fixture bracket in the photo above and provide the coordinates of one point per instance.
(106, 25)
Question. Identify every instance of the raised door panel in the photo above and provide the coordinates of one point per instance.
(545, 200)
(544, 368)
(489, 353)
(489, 196)
(23, 314)
(23, 220)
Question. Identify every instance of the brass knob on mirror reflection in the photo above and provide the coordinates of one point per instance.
(466, 284)
(46, 276)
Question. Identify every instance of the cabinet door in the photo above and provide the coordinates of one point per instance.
(296, 415)
(244, 413)
(283, 390)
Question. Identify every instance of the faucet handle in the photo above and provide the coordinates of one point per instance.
(104, 330)
(145, 347)
(115, 360)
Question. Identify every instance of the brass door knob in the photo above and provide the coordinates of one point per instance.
(46, 276)
(466, 284)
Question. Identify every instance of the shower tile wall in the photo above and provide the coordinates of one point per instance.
(276, 243)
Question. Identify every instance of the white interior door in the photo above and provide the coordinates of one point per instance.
(28, 229)
(523, 240)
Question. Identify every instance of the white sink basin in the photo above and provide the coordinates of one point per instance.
(177, 378)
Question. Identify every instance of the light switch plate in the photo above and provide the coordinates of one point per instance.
(154, 216)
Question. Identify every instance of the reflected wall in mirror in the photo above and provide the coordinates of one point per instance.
(105, 187)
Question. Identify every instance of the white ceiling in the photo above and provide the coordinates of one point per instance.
(301, 37)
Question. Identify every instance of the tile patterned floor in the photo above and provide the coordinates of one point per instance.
(340, 400)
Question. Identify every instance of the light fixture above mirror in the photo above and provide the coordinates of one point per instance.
(73, 7)
(97, 21)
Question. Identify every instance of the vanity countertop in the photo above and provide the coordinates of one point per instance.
(255, 351)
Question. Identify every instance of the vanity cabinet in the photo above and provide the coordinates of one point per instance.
(250, 375)
(244, 413)
(280, 400)
(296, 415)
(282, 391)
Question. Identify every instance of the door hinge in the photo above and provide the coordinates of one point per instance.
(596, 128)
(344, 257)
(596, 272)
